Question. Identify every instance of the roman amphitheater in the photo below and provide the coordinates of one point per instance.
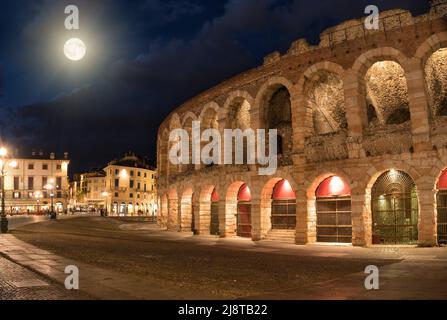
(362, 123)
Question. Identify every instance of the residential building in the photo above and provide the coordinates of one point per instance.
(35, 182)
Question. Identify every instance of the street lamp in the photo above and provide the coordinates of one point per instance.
(50, 187)
(38, 195)
(4, 164)
(105, 194)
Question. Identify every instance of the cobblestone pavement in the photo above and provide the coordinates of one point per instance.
(120, 259)
(19, 283)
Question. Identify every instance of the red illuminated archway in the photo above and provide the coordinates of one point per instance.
(333, 187)
(441, 201)
(333, 207)
(283, 214)
(244, 212)
(214, 226)
(442, 182)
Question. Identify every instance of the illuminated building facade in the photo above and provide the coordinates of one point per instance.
(35, 181)
(362, 141)
(130, 185)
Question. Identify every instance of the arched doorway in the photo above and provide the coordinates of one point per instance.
(441, 197)
(214, 225)
(395, 209)
(283, 207)
(243, 216)
(333, 204)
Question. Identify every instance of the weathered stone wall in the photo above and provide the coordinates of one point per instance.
(337, 80)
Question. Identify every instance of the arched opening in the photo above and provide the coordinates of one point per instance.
(238, 117)
(436, 79)
(209, 120)
(283, 212)
(187, 212)
(278, 115)
(395, 209)
(441, 202)
(123, 209)
(187, 126)
(173, 210)
(115, 208)
(325, 97)
(387, 94)
(214, 225)
(243, 216)
(333, 206)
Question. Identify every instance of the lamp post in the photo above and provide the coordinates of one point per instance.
(50, 187)
(4, 164)
(105, 194)
(38, 195)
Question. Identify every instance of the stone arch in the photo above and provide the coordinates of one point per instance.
(231, 203)
(188, 116)
(370, 177)
(275, 111)
(237, 108)
(382, 87)
(266, 201)
(163, 141)
(163, 218)
(187, 211)
(174, 123)
(322, 88)
(173, 214)
(311, 189)
(187, 124)
(204, 219)
(435, 75)
(210, 115)
(430, 46)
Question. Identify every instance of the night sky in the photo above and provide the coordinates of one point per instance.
(145, 57)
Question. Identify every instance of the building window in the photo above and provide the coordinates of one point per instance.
(116, 195)
(117, 183)
(16, 195)
(138, 196)
(30, 166)
(30, 195)
(58, 167)
(131, 195)
(152, 176)
(16, 183)
(59, 183)
(145, 175)
(139, 173)
(30, 183)
(59, 194)
(145, 187)
(131, 173)
(45, 166)
(131, 184)
(117, 172)
(139, 186)
(44, 181)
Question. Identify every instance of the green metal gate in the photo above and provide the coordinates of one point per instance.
(395, 209)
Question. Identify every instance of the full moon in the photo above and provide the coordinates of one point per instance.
(75, 49)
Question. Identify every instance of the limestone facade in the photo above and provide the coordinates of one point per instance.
(361, 103)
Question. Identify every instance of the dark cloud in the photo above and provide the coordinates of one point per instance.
(159, 53)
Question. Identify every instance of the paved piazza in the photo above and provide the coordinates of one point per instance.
(124, 259)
